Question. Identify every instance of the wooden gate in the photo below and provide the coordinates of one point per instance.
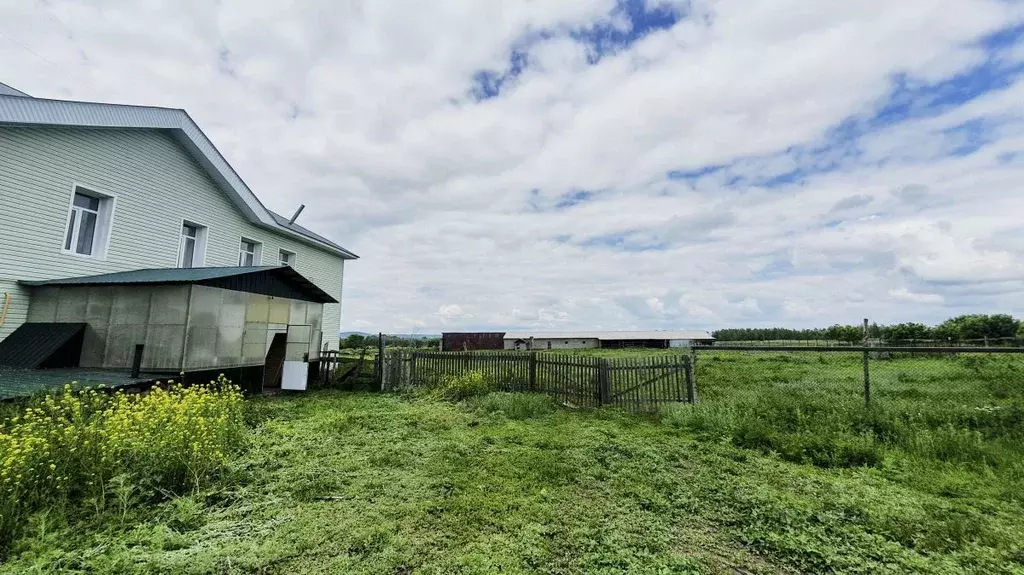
(571, 379)
(642, 384)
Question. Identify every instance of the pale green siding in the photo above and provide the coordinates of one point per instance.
(156, 185)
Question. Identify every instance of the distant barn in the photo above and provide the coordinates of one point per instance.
(573, 340)
(471, 341)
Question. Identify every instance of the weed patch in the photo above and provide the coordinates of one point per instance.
(114, 451)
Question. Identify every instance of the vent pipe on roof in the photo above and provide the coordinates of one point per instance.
(297, 212)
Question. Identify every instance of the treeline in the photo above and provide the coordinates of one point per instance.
(972, 328)
(356, 341)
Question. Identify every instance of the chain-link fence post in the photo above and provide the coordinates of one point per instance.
(867, 381)
(867, 371)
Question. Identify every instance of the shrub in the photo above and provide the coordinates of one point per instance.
(90, 445)
(515, 405)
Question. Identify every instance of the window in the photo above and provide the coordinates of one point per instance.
(249, 253)
(192, 251)
(287, 258)
(88, 224)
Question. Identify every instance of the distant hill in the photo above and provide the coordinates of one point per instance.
(345, 334)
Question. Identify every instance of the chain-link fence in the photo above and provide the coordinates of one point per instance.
(922, 377)
(850, 407)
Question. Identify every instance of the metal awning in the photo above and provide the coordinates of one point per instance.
(278, 281)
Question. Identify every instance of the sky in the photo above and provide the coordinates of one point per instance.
(596, 164)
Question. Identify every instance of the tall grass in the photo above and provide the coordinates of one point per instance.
(100, 448)
(815, 428)
(458, 387)
(515, 405)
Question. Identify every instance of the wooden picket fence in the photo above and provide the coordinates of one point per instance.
(637, 384)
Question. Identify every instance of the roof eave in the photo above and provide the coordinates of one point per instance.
(336, 250)
(39, 112)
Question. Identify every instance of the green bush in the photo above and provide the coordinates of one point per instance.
(515, 405)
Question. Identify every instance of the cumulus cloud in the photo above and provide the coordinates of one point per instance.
(596, 164)
(903, 294)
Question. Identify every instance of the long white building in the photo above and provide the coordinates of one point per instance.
(539, 340)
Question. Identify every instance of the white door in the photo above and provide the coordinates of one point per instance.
(296, 369)
(294, 375)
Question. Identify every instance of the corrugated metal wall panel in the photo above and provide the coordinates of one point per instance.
(156, 183)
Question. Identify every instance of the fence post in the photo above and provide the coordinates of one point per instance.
(380, 360)
(867, 381)
(690, 391)
(412, 369)
(604, 377)
(867, 375)
(531, 383)
(691, 376)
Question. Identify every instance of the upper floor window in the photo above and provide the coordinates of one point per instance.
(192, 251)
(249, 253)
(287, 258)
(89, 219)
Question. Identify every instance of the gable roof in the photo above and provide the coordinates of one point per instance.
(282, 281)
(19, 109)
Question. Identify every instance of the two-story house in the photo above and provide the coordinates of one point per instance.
(90, 189)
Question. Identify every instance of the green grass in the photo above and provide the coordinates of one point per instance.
(338, 482)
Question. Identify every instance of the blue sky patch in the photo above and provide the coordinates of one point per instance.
(626, 242)
(642, 17)
(573, 198)
(779, 266)
(909, 98)
(692, 175)
(488, 83)
(969, 137)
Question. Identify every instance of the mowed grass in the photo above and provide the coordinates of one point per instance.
(338, 482)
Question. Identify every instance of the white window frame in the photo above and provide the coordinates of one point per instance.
(199, 255)
(257, 253)
(104, 222)
(286, 258)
